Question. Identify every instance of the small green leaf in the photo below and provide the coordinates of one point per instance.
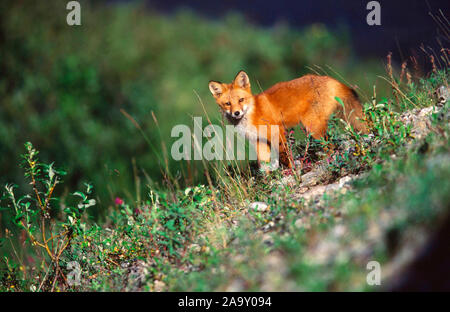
(80, 194)
(339, 100)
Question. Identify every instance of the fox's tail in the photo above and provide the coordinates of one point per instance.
(352, 112)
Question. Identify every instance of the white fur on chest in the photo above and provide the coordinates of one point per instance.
(248, 131)
(245, 129)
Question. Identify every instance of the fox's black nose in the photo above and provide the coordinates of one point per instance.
(236, 113)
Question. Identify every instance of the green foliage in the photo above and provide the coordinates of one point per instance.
(35, 215)
(387, 130)
(159, 231)
(64, 88)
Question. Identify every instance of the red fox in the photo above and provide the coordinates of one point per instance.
(309, 100)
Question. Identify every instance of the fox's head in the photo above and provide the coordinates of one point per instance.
(233, 98)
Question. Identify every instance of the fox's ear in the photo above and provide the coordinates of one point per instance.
(216, 88)
(241, 80)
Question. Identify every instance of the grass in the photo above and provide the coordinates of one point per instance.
(206, 238)
(88, 96)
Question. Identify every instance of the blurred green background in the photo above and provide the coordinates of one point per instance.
(63, 88)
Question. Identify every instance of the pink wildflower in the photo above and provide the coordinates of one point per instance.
(119, 201)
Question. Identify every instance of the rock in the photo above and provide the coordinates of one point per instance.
(315, 176)
(419, 119)
(345, 181)
(339, 230)
(268, 226)
(299, 223)
(259, 206)
(267, 239)
(443, 95)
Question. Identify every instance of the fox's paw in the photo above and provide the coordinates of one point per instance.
(267, 167)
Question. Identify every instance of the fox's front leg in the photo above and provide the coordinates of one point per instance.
(263, 155)
(263, 150)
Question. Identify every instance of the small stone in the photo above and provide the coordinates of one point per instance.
(443, 95)
(259, 206)
(344, 181)
(267, 239)
(339, 230)
(298, 223)
(268, 226)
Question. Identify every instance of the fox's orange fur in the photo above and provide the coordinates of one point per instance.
(309, 100)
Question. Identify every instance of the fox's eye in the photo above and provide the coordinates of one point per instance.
(227, 103)
(241, 100)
